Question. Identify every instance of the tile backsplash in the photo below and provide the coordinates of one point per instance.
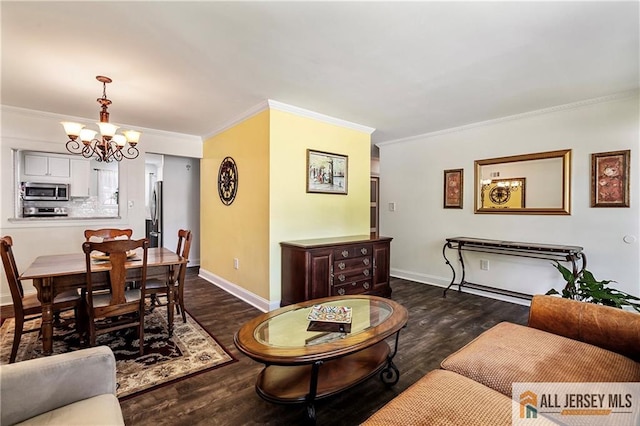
(79, 207)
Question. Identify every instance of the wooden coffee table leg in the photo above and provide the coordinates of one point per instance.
(313, 387)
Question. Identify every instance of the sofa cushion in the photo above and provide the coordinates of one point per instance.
(509, 353)
(445, 398)
(99, 410)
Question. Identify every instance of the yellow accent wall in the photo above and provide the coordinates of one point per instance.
(272, 205)
(240, 230)
(296, 214)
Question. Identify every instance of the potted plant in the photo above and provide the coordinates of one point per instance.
(584, 287)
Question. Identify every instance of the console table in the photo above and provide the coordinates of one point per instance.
(571, 254)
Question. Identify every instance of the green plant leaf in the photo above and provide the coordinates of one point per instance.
(587, 288)
(566, 274)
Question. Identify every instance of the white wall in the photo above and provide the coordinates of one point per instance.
(411, 175)
(181, 202)
(41, 131)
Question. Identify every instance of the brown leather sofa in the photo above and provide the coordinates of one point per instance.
(564, 341)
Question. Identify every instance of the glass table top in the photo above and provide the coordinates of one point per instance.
(289, 329)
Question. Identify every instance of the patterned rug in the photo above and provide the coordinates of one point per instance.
(191, 350)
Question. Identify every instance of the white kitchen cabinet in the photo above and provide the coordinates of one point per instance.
(42, 166)
(80, 171)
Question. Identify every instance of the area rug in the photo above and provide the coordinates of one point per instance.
(191, 350)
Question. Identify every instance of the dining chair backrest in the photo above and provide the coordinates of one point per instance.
(117, 253)
(11, 270)
(184, 243)
(107, 234)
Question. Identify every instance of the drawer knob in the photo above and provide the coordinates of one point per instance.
(366, 286)
(345, 253)
(353, 284)
(341, 291)
(341, 265)
(363, 250)
(366, 261)
(365, 272)
(341, 278)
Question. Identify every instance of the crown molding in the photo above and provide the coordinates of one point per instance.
(238, 119)
(557, 108)
(59, 117)
(280, 106)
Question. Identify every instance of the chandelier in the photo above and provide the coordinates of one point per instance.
(110, 146)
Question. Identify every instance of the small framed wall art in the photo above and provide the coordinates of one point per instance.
(327, 173)
(610, 179)
(453, 188)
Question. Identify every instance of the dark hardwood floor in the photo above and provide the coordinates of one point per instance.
(226, 396)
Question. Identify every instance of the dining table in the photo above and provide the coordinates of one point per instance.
(53, 274)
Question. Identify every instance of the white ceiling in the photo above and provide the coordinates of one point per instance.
(403, 68)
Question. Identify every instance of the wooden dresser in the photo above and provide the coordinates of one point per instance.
(335, 266)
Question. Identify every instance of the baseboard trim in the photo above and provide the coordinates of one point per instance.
(420, 278)
(241, 293)
(444, 283)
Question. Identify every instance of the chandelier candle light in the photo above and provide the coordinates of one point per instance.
(111, 146)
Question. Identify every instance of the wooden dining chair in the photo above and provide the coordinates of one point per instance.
(106, 234)
(124, 305)
(157, 287)
(28, 308)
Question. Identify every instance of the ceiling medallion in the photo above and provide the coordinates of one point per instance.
(228, 181)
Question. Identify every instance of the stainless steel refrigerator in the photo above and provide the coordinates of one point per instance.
(154, 226)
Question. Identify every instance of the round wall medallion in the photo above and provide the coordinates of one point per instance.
(228, 181)
(500, 194)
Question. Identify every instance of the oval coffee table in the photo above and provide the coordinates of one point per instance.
(302, 366)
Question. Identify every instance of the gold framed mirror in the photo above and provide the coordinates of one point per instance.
(538, 183)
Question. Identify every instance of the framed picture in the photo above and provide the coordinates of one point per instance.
(610, 179)
(453, 187)
(504, 193)
(327, 173)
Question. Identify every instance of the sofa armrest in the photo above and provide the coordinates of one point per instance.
(603, 326)
(36, 386)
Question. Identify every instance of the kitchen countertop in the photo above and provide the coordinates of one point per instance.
(60, 218)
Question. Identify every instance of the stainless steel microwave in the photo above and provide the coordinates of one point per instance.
(45, 191)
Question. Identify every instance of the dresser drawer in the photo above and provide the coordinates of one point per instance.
(352, 287)
(353, 251)
(355, 263)
(348, 275)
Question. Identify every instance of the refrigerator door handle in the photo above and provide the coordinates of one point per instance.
(154, 208)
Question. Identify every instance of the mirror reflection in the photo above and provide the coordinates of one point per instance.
(536, 183)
